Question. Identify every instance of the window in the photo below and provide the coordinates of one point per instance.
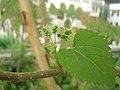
(112, 13)
(111, 23)
(116, 24)
(118, 12)
(95, 9)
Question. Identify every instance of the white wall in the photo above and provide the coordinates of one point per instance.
(96, 7)
(113, 19)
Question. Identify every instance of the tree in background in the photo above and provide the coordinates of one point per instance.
(67, 23)
(63, 8)
(53, 10)
(70, 12)
(78, 13)
(104, 12)
(10, 10)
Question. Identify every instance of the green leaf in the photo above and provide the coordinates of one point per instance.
(89, 59)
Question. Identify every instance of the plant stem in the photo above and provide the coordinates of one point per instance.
(17, 77)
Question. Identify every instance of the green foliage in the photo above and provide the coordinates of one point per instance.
(62, 8)
(10, 9)
(36, 12)
(67, 23)
(27, 65)
(89, 59)
(66, 83)
(53, 33)
(9, 42)
(53, 9)
(18, 58)
(66, 34)
(104, 12)
(104, 28)
(54, 30)
(71, 11)
(77, 13)
(17, 21)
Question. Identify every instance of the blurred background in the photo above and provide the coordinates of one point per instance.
(16, 54)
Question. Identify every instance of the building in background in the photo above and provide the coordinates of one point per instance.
(97, 6)
(114, 12)
(107, 9)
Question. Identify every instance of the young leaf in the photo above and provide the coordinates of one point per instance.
(89, 59)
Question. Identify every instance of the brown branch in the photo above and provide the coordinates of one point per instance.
(17, 77)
